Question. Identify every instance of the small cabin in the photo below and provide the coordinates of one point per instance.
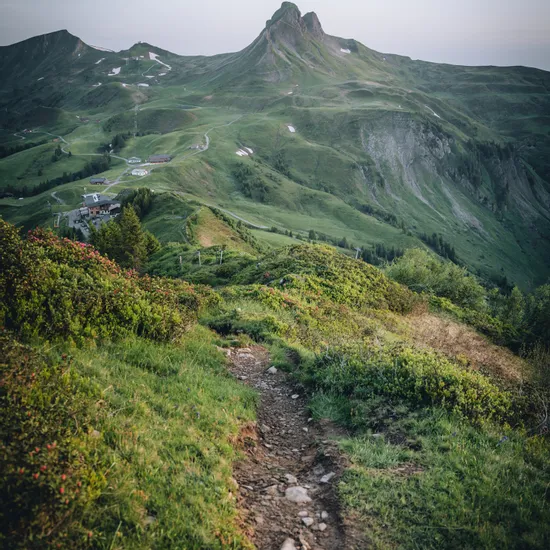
(157, 159)
(134, 160)
(98, 181)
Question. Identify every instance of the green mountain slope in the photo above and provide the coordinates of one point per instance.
(384, 149)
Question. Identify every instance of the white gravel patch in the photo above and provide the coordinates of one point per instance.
(101, 49)
(115, 71)
(96, 85)
(144, 85)
(291, 129)
(432, 111)
(98, 62)
(41, 78)
(249, 150)
(345, 50)
(155, 56)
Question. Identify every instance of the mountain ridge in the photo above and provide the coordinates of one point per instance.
(457, 151)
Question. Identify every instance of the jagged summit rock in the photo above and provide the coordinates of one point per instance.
(313, 25)
(288, 21)
(287, 13)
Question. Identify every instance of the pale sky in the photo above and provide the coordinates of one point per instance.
(469, 32)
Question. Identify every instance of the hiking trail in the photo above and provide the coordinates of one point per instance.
(287, 481)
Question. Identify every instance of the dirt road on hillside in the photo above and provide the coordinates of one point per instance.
(287, 483)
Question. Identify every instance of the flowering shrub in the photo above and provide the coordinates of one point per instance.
(57, 288)
(51, 465)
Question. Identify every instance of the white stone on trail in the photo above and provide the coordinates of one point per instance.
(303, 514)
(297, 494)
(308, 522)
(288, 544)
(328, 477)
(322, 526)
(295, 396)
(290, 478)
(318, 470)
(324, 515)
(272, 370)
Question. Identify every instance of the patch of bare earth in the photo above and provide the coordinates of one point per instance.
(457, 340)
(287, 482)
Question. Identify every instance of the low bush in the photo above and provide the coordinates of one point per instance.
(500, 332)
(422, 378)
(321, 271)
(422, 271)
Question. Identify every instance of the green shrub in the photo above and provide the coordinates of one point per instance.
(500, 332)
(321, 271)
(422, 271)
(260, 327)
(422, 378)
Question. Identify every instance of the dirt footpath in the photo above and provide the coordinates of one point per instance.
(287, 483)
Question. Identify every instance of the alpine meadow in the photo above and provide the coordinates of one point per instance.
(295, 297)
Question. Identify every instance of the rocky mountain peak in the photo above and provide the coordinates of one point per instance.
(313, 25)
(287, 22)
(287, 13)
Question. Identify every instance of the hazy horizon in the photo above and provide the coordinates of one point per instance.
(504, 32)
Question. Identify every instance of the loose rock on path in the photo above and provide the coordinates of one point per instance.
(283, 501)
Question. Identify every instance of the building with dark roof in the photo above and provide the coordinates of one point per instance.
(157, 159)
(100, 204)
(98, 181)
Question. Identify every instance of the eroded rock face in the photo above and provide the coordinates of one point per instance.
(313, 25)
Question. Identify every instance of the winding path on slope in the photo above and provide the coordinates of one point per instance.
(128, 167)
(207, 137)
(56, 198)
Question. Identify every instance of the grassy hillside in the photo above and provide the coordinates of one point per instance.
(126, 423)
